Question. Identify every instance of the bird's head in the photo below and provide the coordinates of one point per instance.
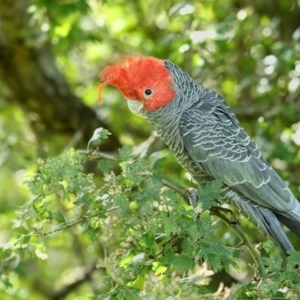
(144, 81)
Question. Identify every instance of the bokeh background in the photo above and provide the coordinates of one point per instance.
(51, 53)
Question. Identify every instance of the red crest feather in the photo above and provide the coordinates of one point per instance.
(135, 74)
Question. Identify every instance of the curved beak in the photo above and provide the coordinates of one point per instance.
(135, 106)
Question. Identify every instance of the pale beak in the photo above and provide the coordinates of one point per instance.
(135, 106)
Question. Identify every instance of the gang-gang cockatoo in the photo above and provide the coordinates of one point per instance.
(207, 140)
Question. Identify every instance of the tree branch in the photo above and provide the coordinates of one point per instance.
(215, 210)
(64, 227)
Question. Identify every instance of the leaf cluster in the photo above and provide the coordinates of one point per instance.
(153, 244)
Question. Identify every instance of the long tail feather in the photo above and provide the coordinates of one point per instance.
(270, 221)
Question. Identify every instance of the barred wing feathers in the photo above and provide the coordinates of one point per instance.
(220, 147)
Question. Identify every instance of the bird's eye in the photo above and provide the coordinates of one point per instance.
(147, 93)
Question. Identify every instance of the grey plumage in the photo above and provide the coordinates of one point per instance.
(209, 142)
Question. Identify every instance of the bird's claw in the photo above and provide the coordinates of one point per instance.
(191, 197)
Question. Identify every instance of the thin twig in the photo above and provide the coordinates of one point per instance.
(96, 155)
(174, 187)
(152, 144)
(245, 241)
(74, 223)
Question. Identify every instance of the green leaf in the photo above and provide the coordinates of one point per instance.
(172, 195)
(194, 232)
(23, 241)
(36, 184)
(98, 135)
(46, 240)
(107, 279)
(170, 226)
(153, 185)
(217, 255)
(293, 258)
(59, 217)
(105, 166)
(168, 257)
(206, 228)
(26, 239)
(131, 293)
(187, 248)
(85, 225)
(183, 263)
(209, 193)
(125, 153)
(147, 239)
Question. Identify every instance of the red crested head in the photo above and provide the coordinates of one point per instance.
(144, 79)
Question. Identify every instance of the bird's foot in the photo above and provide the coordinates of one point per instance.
(191, 197)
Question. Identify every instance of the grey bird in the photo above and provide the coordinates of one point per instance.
(207, 140)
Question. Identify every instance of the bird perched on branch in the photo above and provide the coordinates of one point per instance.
(207, 140)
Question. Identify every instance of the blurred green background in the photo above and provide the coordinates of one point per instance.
(51, 53)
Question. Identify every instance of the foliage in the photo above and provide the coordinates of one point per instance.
(157, 237)
(107, 226)
(152, 244)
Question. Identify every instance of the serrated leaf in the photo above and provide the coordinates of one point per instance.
(206, 227)
(46, 240)
(36, 184)
(105, 166)
(168, 257)
(183, 263)
(170, 226)
(217, 255)
(153, 185)
(186, 247)
(209, 193)
(59, 217)
(293, 258)
(194, 232)
(147, 239)
(125, 153)
(171, 195)
(131, 293)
